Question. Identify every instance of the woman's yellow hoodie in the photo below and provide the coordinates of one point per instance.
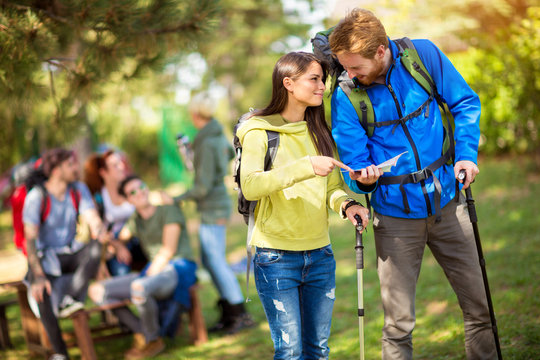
(293, 202)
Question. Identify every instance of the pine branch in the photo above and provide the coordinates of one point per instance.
(43, 11)
(178, 28)
(193, 24)
(57, 17)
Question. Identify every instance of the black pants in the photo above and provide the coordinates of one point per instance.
(77, 270)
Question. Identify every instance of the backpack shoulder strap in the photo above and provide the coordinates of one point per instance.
(74, 194)
(45, 207)
(361, 103)
(75, 197)
(413, 64)
(273, 143)
(404, 43)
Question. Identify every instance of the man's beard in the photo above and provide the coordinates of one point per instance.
(373, 75)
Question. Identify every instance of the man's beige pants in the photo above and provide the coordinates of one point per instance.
(400, 246)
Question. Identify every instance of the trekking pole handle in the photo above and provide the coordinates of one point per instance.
(463, 175)
(359, 226)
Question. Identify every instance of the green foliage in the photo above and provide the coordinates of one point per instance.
(57, 56)
(253, 34)
(504, 68)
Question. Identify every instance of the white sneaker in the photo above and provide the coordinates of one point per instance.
(69, 306)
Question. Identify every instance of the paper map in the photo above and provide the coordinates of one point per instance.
(387, 165)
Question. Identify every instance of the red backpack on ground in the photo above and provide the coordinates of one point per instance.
(34, 177)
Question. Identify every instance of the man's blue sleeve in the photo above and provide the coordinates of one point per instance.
(463, 102)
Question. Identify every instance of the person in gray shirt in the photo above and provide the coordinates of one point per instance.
(60, 267)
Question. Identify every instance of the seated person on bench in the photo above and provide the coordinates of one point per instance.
(162, 233)
(60, 267)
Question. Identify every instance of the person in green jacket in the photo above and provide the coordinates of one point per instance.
(212, 154)
(294, 264)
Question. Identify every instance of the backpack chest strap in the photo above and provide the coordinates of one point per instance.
(404, 119)
(416, 177)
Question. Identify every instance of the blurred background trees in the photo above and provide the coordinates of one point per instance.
(121, 71)
(252, 36)
(505, 71)
(59, 57)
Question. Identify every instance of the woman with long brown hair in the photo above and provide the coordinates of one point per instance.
(294, 262)
(103, 173)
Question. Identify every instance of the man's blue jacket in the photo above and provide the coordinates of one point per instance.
(426, 131)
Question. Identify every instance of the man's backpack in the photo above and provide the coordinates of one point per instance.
(361, 102)
(24, 182)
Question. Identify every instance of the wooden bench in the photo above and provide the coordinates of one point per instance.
(85, 336)
(196, 325)
(5, 341)
(34, 334)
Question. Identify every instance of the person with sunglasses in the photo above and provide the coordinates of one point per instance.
(170, 273)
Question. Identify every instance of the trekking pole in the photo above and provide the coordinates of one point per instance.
(474, 222)
(359, 249)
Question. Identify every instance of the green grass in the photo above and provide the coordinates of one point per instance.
(506, 194)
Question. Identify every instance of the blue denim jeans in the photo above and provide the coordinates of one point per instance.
(157, 287)
(212, 238)
(138, 258)
(297, 290)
